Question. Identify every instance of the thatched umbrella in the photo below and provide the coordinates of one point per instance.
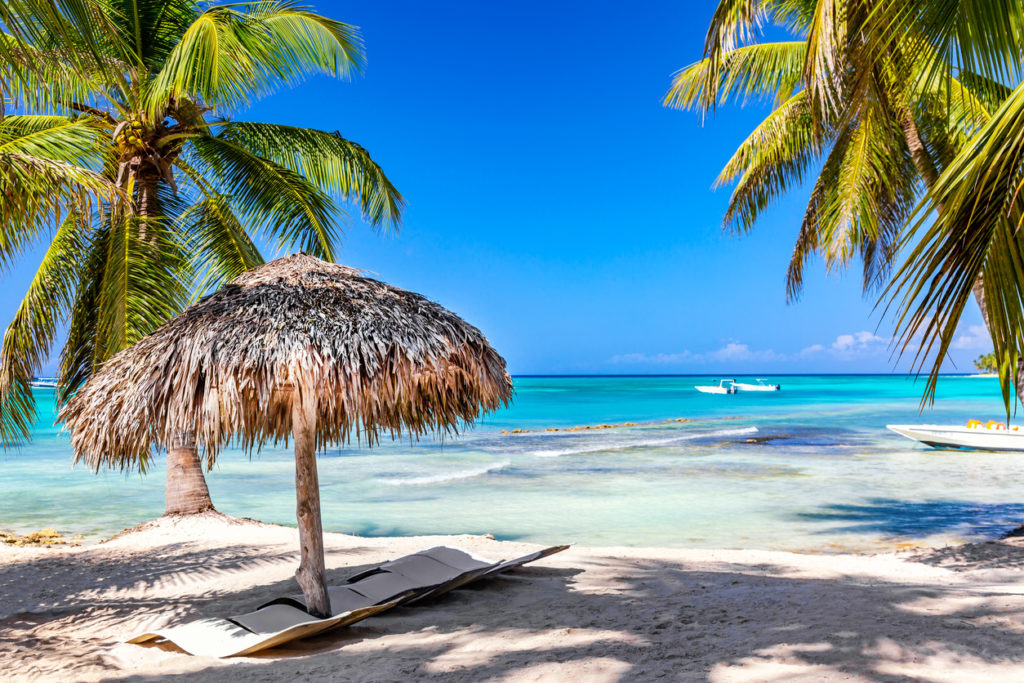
(295, 347)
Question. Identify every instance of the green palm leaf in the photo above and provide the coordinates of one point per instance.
(772, 159)
(30, 336)
(220, 246)
(767, 70)
(285, 205)
(975, 234)
(41, 179)
(328, 160)
(229, 56)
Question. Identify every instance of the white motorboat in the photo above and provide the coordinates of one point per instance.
(976, 436)
(724, 386)
(758, 385)
(43, 383)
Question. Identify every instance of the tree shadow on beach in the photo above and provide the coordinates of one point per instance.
(598, 618)
(918, 519)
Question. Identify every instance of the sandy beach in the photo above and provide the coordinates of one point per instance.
(596, 614)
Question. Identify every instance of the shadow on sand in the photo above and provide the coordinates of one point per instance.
(609, 618)
(920, 519)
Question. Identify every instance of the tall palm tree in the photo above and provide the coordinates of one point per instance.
(873, 91)
(122, 153)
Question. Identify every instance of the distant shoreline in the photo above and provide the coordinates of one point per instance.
(698, 374)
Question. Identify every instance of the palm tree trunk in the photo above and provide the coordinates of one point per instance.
(185, 492)
(925, 166)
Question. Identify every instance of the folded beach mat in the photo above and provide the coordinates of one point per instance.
(525, 559)
(371, 589)
(421, 576)
(463, 567)
(226, 638)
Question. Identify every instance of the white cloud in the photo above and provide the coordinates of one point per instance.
(858, 342)
(732, 351)
(845, 347)
(811, 350)
(976, 337)
(656, 358)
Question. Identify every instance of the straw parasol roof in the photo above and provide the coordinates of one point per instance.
(297, 347)
(378, 358)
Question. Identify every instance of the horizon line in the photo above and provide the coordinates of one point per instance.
(747, 374)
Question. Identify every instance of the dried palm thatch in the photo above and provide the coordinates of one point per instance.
(376, 358)
(296, 347)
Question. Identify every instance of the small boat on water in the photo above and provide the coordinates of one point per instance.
(724, 386)
(43, 383)
(976, 436)
(758, 385)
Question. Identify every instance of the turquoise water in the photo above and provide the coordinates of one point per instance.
(809, 468)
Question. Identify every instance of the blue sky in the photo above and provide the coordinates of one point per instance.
(557, 205)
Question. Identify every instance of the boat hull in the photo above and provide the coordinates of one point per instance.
(758, 387)
(963, 438)
(715, 390)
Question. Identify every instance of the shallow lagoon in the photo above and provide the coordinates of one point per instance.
(811, 468)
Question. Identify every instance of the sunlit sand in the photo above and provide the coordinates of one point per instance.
(599, 614)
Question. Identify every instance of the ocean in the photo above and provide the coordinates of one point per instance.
(811, 468)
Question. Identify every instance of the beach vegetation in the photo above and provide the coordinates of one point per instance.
(986, 363)
(897, 113)
(122, 157)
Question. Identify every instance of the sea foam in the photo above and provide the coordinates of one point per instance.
(591, 447)
(445, 476)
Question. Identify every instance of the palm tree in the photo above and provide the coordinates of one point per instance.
(877, 93)
(975, 236)
(122, 152)
(986, 363)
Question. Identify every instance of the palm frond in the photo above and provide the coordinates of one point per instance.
(796, 15)
(864, 195)
(48, 81)
(30, 336)
(982, 37)
(145, 280)
(825, 72)
(766, 70)
(40, 179)
(81, 31)
(150, 30)
(328, 160)
(232, 55)
(976, 234)
(288, 207)
(989, 93)
(772, 159)
(219, 245)
(84, 350)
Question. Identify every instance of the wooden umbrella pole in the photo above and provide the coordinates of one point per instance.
(310, 574)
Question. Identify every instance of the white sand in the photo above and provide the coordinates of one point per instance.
(593, 614)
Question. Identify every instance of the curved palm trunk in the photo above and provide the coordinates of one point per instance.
(923, 162)
(185, 492)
